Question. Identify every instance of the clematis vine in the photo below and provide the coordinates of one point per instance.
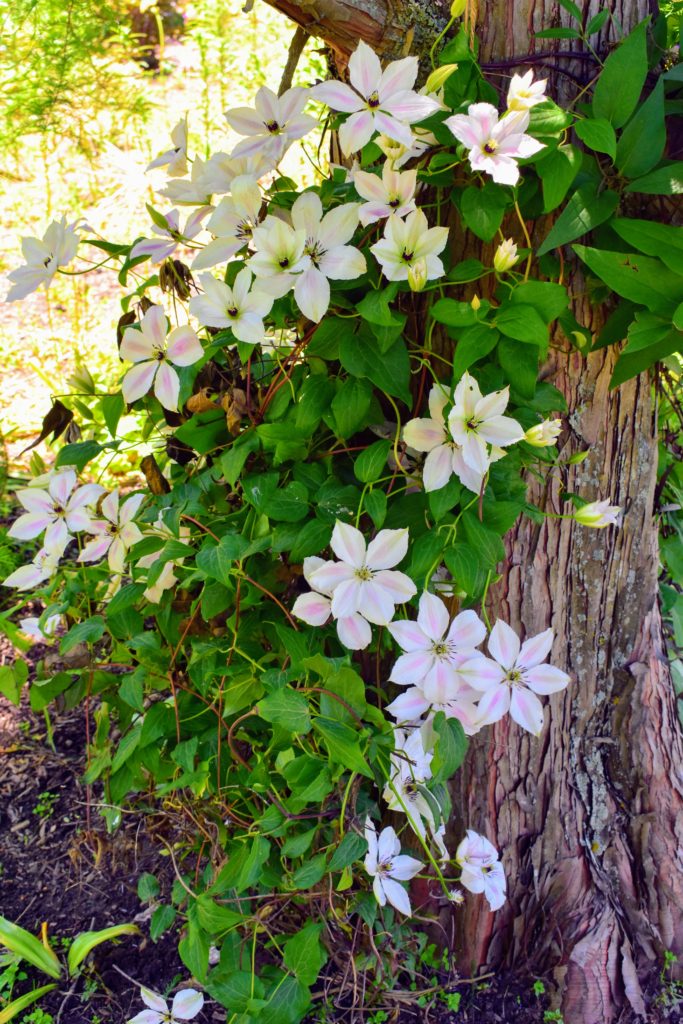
(59, 511)
(378, 101)
(174, 159)
(494, 145)
(241, 308)
(409, 242)
(153, 350)
(170, 236)
(387, 867)
(444, 456)
(44, 256)
(274, 123)
(482, 872)
(185, 1006)
(361, 587)
(392, 194)
(115, 533)
(232, 222)
(476, 421)
(512, 677)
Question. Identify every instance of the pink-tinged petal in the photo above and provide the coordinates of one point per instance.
(154, 324)
(354, 632)
(495, 886)
(348, 544)
(329, 575)
(466, 711)
(365, 70)
(187, 1004)
(184, 347)
(245, 121)
(375, 603)
(85, 495)
(411, 669)
(467, 630)
(501, 430)
(31, 525)
(370, 186)
(338, 96)
(441, 684)
(110, 506)
(138, 381)
(56, 536)
(432, 616)
(95, 549)
(492, 405)
(410, 106)
(292, 102)
(307, 213)
(504, 644)
(249, 329)
(61, 485)
(370, 833)
(399, 586)
(220, 250)
(267, 104)
(135, 346)
(482, 673)
(467, 394)
(493, 705)
(35, 500)
(546, 679)
(536, 649)
(467, 476)
(527, 146)
(130, 534)
(465, 130)
(404, 868)
(346, 598)
(26, 577)
(147, 1017)
(356, 132)
(312, 294)
(438, 468)
(312, 608)
(167, 386)
(371, 212)
(155, 248)
(409, 636)
(502, 169)
(397, 896)
(526, 710)
(424, 435)
(154, 1001)
(438, 399)
(408, 706)
(116, 555)
(343, 263)
(394, 128)
(311, 563)
(387, 549)
(474, 453)
(398, 76)
(130, 508)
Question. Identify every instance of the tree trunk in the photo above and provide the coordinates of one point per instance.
(590, 815)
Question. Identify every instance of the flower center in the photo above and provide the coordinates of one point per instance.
(373, 100)
(490, 146)
(441, 649)
(363, 574)
(244, 230)
(514, 677)
(273, 127)
(407, 256)
(58, 510)
(232, 312)
(284, 262)
(384, 868)
(394, 202)
(314, 250)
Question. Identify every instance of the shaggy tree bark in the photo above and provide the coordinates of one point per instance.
(590, 816)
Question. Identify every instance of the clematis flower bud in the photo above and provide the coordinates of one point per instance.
(81, 380)
(543, 434)
(597, 514)
(475, 303)
(392, 150)
(439, 77)
(458, 8)
(417, 275)
(505, 256)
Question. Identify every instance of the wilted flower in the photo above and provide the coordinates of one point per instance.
(238, 308)
(476, 421)
(43, 257)
(541, 435)
(274, 123)
(377, 101)
(153, 351)
(175, 159)
(512, 677)
(597, 514)
(59, 511)
(524, 93)
(481, 869)
(407, 242)
(392, 194)
(444, 456)
(387, 866)
(186, 1005)
(495, 145)
(116, 532)
(505, 256)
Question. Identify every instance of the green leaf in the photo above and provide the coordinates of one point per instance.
(217, 560)
(325, 341)
(310, 873)
(482, 209)
(82, 633)
(596, 22)
(13, 1009)
(548, 299)
(639, 278)
(598, 134)
(10, 685)
(451, 747)
(453, 314)
(649, 339)
(112, 410)
(287, 709)
(234, 990)
(622, 78)
(233, 461)
(342, 745)
(486, 543)
(654, 239)
(665, 181)
(80, 453)
(162, 919)
(311, 539)
(376, 507)
(351, 848)
(147, 888)
(523, 324)
(465, 568)
(473, 344)
(29, 948)
(213, 917)
(389, 371)
(520, 363)
(372, 463)
(584, 211)
(643, 139)
(467, 270)
(350, 407)
(85, 942)
(288, 504)
(557, 171)
(305, 954)
(440, 502)
(572, 8)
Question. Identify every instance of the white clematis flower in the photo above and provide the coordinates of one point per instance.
(232, 222)
(387, 866)
(44, 256)
(238, 308)
(545, 434)
(42, 568)
(391, 195)
(476, 421)
(315, 608)
(407, 242)
(31, 626)
(524, 93)
(444, 456)
(170, 237)
(482, 872)
(153, 350)
(435, 648)
(410, 707)
(174, 159)
(512, 676)
(185, 1006)
(378, 101)
(59, 511)
(278, 256)
(494, 145)
(505, 256)
(410, 770)
(597, 514)
(274, 123)
(115, 533)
